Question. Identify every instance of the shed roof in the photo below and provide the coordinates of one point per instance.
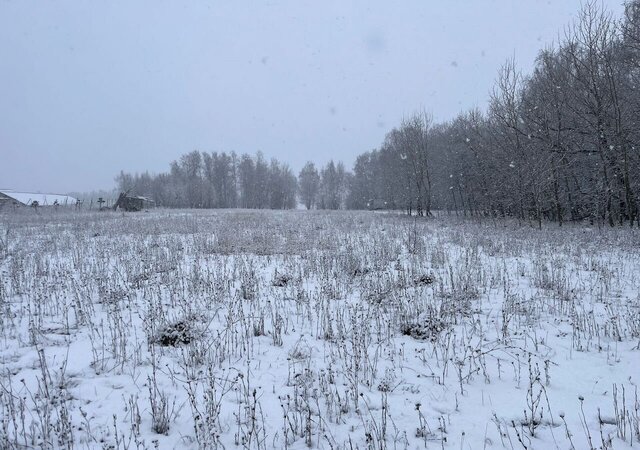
(27, 198)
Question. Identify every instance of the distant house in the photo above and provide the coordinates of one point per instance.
(15, 198)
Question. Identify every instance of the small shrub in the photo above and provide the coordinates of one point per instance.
(175, 334)
(429, 329)
(423, 280)
(282, 280)
(358, 272)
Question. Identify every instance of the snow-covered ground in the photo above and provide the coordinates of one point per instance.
(261, 329)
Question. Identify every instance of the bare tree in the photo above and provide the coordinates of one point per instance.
(308, 185)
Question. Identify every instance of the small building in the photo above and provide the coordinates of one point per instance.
(12, 198)
(133, 203)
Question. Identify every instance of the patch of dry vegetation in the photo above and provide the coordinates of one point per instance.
(335, 330)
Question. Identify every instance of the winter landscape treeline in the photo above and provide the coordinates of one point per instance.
(226, 180)
(559, 144)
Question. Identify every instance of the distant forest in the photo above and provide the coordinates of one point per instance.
(559, 144)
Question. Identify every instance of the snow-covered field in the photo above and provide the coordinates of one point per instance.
(240, 329)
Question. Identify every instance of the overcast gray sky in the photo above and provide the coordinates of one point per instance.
(89, 88)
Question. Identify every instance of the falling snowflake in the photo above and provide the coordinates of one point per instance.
(512, 164)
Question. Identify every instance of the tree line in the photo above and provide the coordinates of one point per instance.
(562, 143)
(226, 180)
(559, 144)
